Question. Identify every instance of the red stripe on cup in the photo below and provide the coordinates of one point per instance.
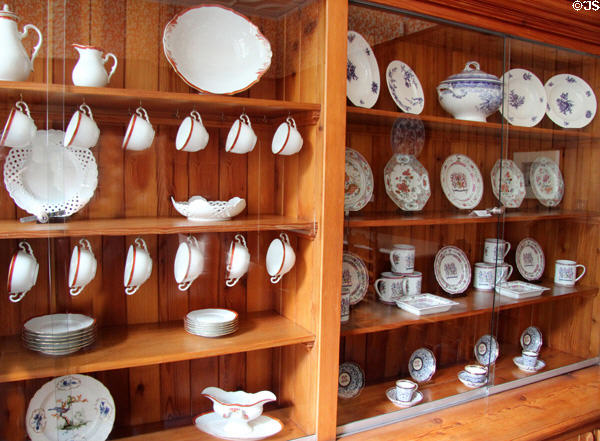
(130, 131)
(286, 139)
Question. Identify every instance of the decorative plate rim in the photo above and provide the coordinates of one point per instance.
(461, 256)
(529, 241)
(537, 117)
(373, 68)
(359, 292)
(416, 86)
(364, 168)
(511, 167)
(475, 195)
(429, 353)
(559, 189)
(560, 120)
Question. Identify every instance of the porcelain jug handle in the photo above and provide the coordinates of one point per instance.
(36, 48)
(114, 66)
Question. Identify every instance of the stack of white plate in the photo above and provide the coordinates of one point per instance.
(59, 334)
(211, 322)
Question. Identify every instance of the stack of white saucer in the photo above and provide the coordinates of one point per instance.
(212, 322)
(59, 334)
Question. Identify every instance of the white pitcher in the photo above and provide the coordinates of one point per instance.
(15, 64)
(89, 70)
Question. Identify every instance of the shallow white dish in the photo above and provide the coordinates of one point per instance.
(391, 395)
(262, 427)
(530, 259)
(519, 290)
(362, 72)
(355, 277)
(452, 269)
(405, 87)
(422, 365)
(508, 183)
(48, 177)
(198, 209)
(212, 316)
(351, 380)
(539, 364)
(524, 98)
(358, 181)
(216, 50)
(531, 339)
(546, 181)
(73, 407)
(59, 324)
(423, 304)
(407, 182)
(571, 101)
(464, 379)
(486, 350)
(407, 136)
(461, 181)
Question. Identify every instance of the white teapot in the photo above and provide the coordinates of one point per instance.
(89, 70)
(15, 64)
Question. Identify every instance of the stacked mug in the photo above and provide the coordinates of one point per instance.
(403, 280)
(493, 269)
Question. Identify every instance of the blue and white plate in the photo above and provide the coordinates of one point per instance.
(531, 339)
(391, 395)
(539, 364)
(571, 101)
(486, 350)
(422, 365)
(524, 98)
(467, 381)
(351, 380)
(405, 87)
(362, 72)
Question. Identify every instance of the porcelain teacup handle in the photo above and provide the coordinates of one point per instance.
(76, 290)
(129, 290)
(22, 106)
(17, 297)
(510, 271)
(85, 109)
(276, 278)
(195, 115)
(114, 66)
(141, 243)
(86, 244)
(192, 240)
(507, 248)
(141, 112)
(582, 273)
(241, 240)
(376, 286)
(291, 121)
(36, 48)
(244, 118)
(231, 282)
(26, 247)
(185, 285)
(284, 238)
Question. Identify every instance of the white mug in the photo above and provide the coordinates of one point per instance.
(280, 257)
(82, 269)
(188, 263)
(191, 135)
(405, 390)
(241, 138)
(495, 250)
(287, 139)
(138, 266)
(389, 287)
(565, 272)
(402, 258)
(20, 129)
(483, 276)
(238, 260)
(82, 130)
(411, 283)
(140, 133)
(22, 273)
(345, 314)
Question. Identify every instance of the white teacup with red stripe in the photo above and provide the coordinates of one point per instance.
(280, 257)
(82, 130)
(189, 263)
(22, 273)
(19, 129)
(241, 138)
(287, 139)
(238, 260)
(138, 266)
(82, 269)
(140, 133)
(192, 135)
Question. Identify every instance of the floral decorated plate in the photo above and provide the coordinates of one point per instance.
(408, 136)
(546, 181)
(486, 350)
(391, 395)
(362, 73)
(461, 181)
(355, 277)
(508, 183)
(407, 182)
(405, 87)
(422, 365)
(358, 181)
(524, 98)
(452, 270)
(531, 339)
(73, 407)
(351, 380)
(530, 259)
(571, 101)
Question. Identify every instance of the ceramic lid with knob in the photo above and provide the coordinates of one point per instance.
(472, 72)
(7, 13)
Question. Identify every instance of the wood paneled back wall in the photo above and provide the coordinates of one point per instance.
(140, 185)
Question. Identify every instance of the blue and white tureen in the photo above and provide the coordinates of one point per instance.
(472, 94)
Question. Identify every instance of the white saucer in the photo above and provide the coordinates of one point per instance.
(262, 427)
(538, 365)
(462, 376)
(391, 394)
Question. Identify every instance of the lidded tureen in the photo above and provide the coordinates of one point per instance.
(472, 94)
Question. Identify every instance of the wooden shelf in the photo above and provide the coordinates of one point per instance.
(153, 225)
(163, 107)
(188, 432)
(141, 345)
(359, 115)
(373, 316)
(372, 400)
(402, 219)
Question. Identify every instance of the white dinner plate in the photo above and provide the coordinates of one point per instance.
(530, 259)
(53, 325)
(508, 183)
(461, 181)
(571, 101)
(452, 270)
(546, 181)
(358, 181)
(524, 98)
(405, 87)
(362, 73)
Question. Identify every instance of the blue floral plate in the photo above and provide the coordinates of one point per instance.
(524, 98)
(362, 72)
(571, 101)
(405, 87)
